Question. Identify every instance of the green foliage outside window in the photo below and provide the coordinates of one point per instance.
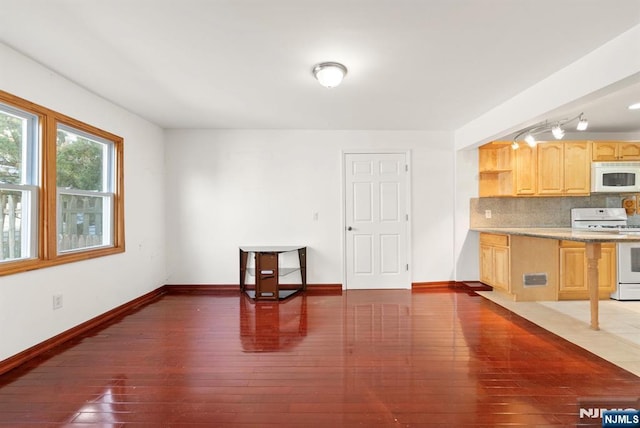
(79, 162)
(10, 149)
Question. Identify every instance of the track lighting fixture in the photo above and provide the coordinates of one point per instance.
(556, 128)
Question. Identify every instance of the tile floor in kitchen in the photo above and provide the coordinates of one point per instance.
(617, 341)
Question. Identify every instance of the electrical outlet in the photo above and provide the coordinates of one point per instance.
(57, 301)
(487, 213)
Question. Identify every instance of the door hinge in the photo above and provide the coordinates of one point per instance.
(406, 168)
(406, 217)
(407, 267)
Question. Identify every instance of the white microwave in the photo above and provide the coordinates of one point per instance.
(615, 177)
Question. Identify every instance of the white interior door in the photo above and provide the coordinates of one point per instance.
(376, 220)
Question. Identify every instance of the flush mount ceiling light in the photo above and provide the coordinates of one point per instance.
(329, 74)
(635, 106)
(556, 128)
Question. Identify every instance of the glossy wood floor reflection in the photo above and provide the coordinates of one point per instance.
(365, 358)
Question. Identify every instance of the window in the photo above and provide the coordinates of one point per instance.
(18, 184)
(61, 188)
(84, 178)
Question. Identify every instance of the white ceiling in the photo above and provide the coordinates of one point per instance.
(413, 64)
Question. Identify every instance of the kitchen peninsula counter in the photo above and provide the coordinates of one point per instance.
(593, 241)
(563, 233)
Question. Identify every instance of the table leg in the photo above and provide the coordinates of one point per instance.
(243, 268)
(593, 255)
(302, 259)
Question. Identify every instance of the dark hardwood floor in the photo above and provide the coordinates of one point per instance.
(363, 358)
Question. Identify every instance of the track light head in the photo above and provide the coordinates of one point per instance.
(583, 123)
(557, 132)
(530, 139)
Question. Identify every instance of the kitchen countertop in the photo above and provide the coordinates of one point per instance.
(563, 233)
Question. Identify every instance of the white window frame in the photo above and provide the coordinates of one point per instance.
(29, 183)
(107, 195)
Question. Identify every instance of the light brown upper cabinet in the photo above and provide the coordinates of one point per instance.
(495, 168)
(555, 168)
(525, 169)
(616, 151)
(564, 168)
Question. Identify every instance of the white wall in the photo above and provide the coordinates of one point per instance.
(227, 188)
(91, 287)
(466, 243)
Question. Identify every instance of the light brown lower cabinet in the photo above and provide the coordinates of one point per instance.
(494, 260)
(573, 271)
(506, 260)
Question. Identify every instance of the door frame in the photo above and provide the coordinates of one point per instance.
(343, 202)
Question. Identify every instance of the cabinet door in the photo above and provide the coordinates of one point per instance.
(628, 151)
(486, 264)
(573, 270)
(605, 150)
(550, 168)
(501, 267)
(607, 279)
(577, 168)
(525, 170)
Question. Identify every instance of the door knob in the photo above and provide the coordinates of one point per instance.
(349, 228)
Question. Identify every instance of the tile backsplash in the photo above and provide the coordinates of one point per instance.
(537, 212)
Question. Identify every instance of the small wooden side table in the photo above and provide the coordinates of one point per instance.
(268, 270)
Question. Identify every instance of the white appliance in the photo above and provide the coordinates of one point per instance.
(615, 219)
(615, 177)
(628, 272)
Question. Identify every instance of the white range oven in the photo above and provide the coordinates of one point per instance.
(615, 219)
(628, 271)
